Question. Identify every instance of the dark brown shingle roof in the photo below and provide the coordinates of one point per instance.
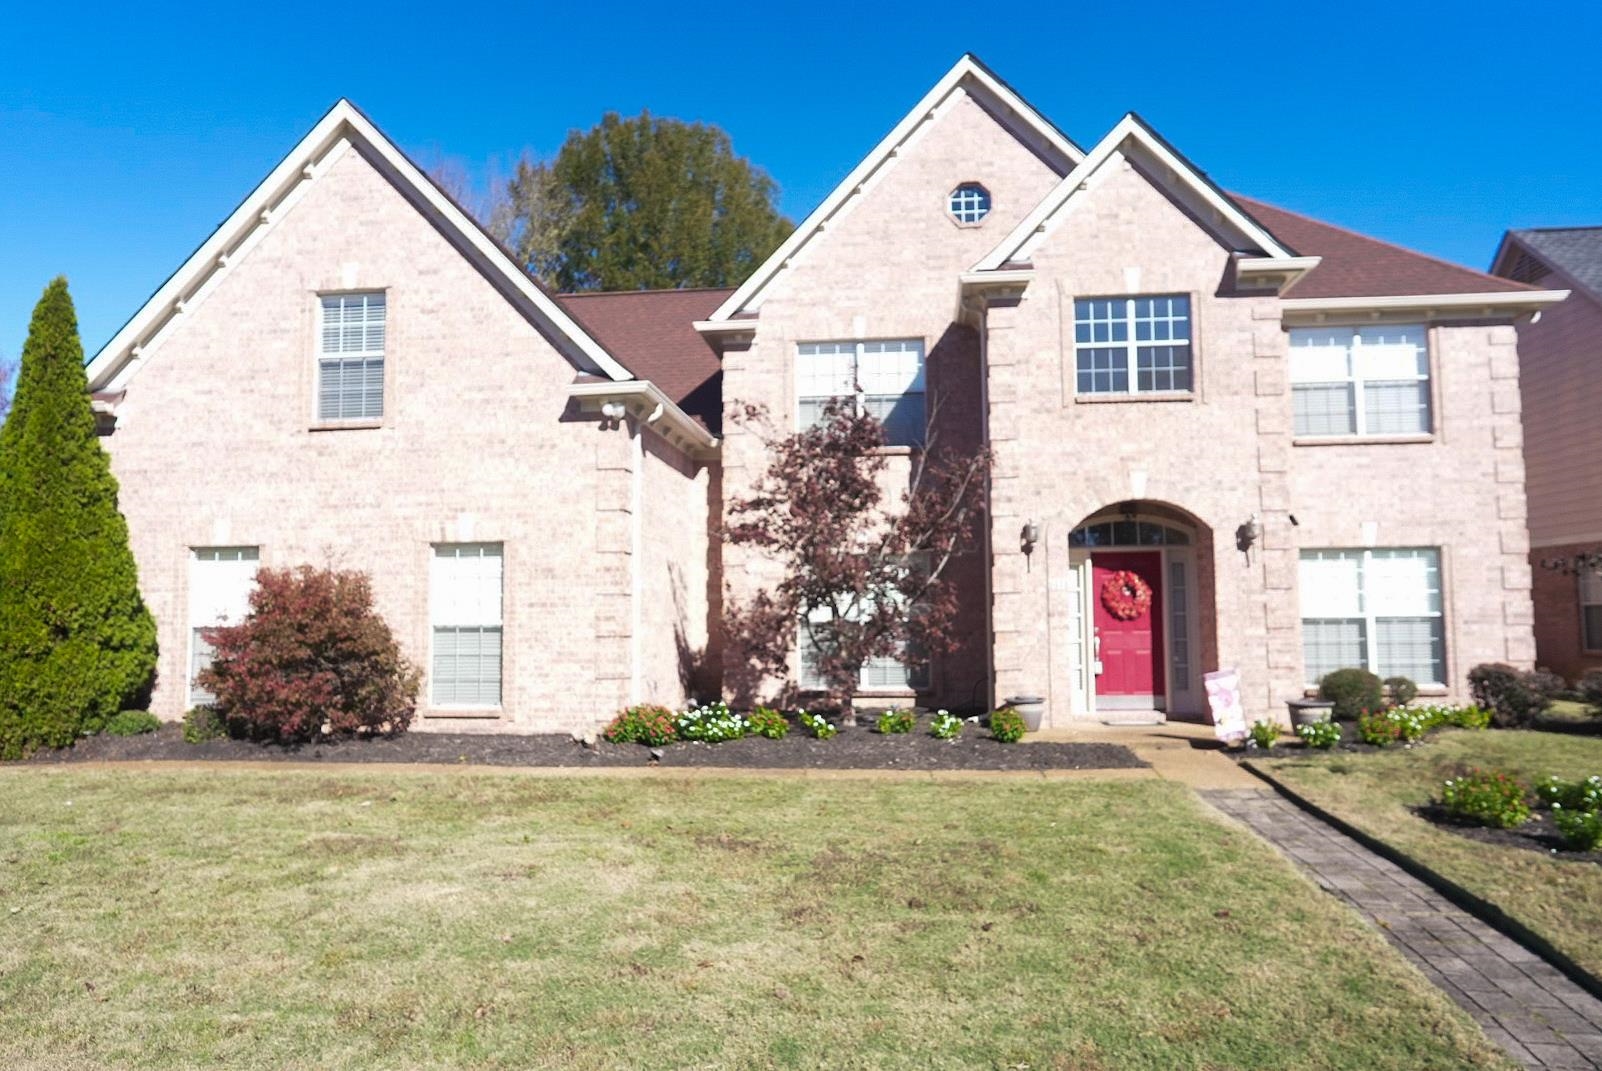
(1356, 265)
(651, 332)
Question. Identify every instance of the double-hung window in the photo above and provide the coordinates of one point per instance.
(886, 673)
(1591, 609)
(1132, 345)
(884, 379)
(465, 605)
(1377, 609)
(220, 582)
(350, 362)
(1360, 380)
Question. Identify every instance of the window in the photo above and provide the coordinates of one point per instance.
(1591, 609)
(220, 582)
(350, 366)
(1360, 380)
(885, 378)
(1132, 345)
(465, 605)
(969, 203)
(878, 674)
(1374, 609)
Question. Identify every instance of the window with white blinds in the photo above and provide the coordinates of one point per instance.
(465, 608)
(887, 673)
(1377, 609)
(1132, 345)
(350, 365)
(1360, 380)
(220, 582)
(1591, 609)
(884, 378)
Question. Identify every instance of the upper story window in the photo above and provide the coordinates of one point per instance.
(350, 362)
(885, 378)
(1376, 609)
(1360, 380)
(969, 203)
(1591, 609)
(1132, 345)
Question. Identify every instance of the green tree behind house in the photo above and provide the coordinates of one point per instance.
(76, 641)
(642, 203)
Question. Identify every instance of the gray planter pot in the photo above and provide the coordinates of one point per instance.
(1031, 707)
(1309, 711)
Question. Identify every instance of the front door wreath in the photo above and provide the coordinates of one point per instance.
(1125, 595)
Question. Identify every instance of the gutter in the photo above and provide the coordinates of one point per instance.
(645, 401)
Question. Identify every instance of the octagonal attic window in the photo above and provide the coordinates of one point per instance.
(970, 203)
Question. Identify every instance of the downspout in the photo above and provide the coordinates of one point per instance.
(636, 567)
(989, 560)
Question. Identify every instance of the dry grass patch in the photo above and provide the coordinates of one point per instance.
(378, 919)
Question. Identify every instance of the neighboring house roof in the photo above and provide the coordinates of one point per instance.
(1355, 265)
(1574, 251)
(342, 127)
(967, 74)
(652, 332)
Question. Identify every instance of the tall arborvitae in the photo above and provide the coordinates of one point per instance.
(76, 641)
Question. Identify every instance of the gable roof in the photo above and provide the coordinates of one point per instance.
(1355, 265)
(1133, 130)
(653, 333)
(343, 127)
(968, 74)
(1574, 251)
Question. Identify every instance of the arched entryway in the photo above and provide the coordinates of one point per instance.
(1139, 611)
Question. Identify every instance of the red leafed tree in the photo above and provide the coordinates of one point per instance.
(862, 580)
(312, 651)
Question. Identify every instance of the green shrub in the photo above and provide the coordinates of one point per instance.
(896, 721)
(1320, 734)
(1469, 717)
(1585, 795)
(1007, 725)
(816, 725)
(945, 726)
(1544, 682)
(77, 644)
(1378, 728)
(1411, 723)
(1403, 690)
(1513, 698)
(1352, 691)
(768, 723)
(644, 724)
(1581, 830)
(1590, 689)
(133, 723)
(1486, 798)
(711, 724)
(202, 724)
(1264, 733)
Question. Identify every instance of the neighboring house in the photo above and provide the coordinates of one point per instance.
(1559, 354)
(1300, 444)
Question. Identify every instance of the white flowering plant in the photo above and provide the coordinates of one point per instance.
(816, 724)
(1320, 734)
(896, 721)
(945, 726)
(713, 723)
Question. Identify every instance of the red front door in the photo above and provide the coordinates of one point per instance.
(1131, 647)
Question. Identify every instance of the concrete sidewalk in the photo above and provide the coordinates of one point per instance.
(1178, 751)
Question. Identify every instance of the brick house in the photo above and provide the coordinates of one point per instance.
(1562, 398)
(1300, 447)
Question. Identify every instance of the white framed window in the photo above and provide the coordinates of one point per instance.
(969, 203)
(889, 673)
(1360, 380)
(464, 595)
(885, 377)
(220, 582)
(1377, 609)
(350, 361)
(1591, 609)
(1132, 345)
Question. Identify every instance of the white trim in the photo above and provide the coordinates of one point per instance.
(1001, 277)
(636, 566)
(1488, 304)
(269, 203)
(1020, 242)
(645, 402)
(966, 70)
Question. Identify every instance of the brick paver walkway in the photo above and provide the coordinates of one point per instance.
(1524, 1004)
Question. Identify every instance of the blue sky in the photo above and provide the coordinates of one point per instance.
(127, 133)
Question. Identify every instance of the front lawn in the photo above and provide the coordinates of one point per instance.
(300, 919)
(1559, 899)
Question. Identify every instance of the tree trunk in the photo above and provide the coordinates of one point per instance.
(848, 713)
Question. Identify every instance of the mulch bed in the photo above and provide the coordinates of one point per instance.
(853, 749)
(1539, 834)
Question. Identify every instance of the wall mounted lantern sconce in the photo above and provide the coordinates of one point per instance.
(1247, 535)
(1028, 537)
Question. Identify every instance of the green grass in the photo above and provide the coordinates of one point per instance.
(1559, 899)
(296, 919)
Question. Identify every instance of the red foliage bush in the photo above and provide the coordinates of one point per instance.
(312, 652)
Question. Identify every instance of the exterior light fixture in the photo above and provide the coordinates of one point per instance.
(1028, 537)
(1247, 535)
